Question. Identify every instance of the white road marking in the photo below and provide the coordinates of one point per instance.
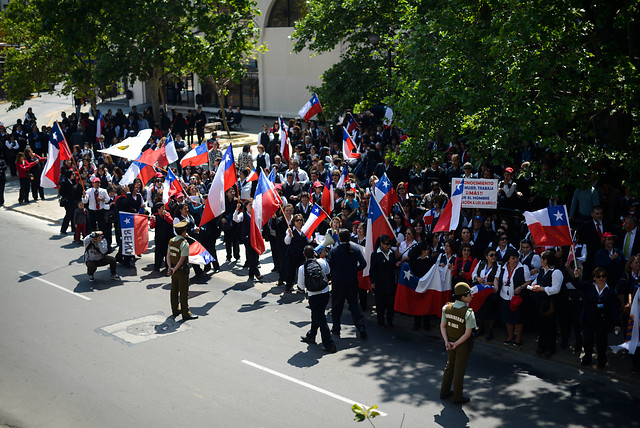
(307, 385)
(54, 285)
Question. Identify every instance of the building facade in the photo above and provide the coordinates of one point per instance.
(276, 83)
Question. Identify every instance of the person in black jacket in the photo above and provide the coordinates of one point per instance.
(345, 262)
(599, 316)
(295, 240)
(244, 218)
(162, 222)
(383, 281)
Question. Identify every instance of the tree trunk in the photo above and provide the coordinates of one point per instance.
(155, 99)
(222, 112)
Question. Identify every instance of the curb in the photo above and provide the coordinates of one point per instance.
(31, 214)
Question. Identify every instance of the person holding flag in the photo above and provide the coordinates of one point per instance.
(243, 215)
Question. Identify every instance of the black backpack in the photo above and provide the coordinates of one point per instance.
(314, 278)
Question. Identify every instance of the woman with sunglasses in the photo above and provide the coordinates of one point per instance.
(485, 273)
(599, 317)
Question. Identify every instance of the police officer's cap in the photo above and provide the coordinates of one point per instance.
(461, 289)
(180, 227)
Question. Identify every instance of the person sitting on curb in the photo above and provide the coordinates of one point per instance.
(95, 255)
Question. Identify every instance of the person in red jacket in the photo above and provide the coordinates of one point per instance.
(23, 174)
(162, 222)
(462, 269)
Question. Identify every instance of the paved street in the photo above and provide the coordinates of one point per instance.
(67, 362)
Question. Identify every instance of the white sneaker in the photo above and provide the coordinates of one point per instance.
(91, 278)
(115, 276)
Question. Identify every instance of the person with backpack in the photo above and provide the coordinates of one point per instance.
(312, 277)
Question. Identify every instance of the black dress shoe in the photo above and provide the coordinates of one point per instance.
(363, 335)
(190, 317)
(307, 339)
(463, 400)
(331, 349)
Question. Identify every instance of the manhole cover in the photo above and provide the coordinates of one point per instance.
(145, 328)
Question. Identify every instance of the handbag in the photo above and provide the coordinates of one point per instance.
(516, 301)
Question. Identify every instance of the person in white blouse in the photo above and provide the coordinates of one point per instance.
(547, 285)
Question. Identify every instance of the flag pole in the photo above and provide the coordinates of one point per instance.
(285, 217)
(73, 159)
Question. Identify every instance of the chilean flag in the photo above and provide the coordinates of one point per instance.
(162, 156)
(170, 150)
(428, 217)
(423, 296)
(479, 293)
(285, 144)
(316, 217)
(549, 226)
(385, 194)
(135, 233)
(197, 156)
(311, 108)
(377, 225)
(265, 204)
(348, 147)
(99, 125)
(351, 125)
(199, 255)
(139, 170)
(327, 195)
(254, 176)
(450, 216)
(171, 186)
(58, 151)
(344, 177)
(224, 179)
(272, 175)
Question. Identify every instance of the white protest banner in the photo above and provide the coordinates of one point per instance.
(478, 192)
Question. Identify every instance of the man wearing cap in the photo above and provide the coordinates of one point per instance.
(95, 200)
(178, 270)
(456, 326)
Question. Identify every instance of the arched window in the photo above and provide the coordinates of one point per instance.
(285, 13)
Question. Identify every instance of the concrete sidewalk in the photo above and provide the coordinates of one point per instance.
(618, 368)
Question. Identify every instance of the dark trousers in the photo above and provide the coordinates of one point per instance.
(160, 254)
(595, 334)
(384, 307)
(68, 218)
(339, 293)
(232, 242)
(3, 180)
(363, 298)
(36, 189)
(96, 220)
(318, 304)
(569, 320)
(23, 195)
(252, 260)
(547, 333)
(180, 292)
(93, 265)
(200, 132)
(454, 370)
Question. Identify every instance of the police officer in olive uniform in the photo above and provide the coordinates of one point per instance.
(178, 270)
(456, 326)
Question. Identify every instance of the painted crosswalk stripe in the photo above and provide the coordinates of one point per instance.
(54, 285)
(306, 385)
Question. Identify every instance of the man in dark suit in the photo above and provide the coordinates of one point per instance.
(591, 234)
(291, 189)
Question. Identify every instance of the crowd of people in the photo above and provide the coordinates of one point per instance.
(567, 296)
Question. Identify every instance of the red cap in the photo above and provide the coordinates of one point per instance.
(608, 235)
(509, 170)
(317, 184)
(95, 179)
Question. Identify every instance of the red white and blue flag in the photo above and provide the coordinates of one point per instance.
(197, 156)
(224, 179)
(199, 255)
(351, 124)
(265, 204)
(135, 233)
(311, 108)
(377, 225)
(139, 170)
(272, 175)
(428, 217)
(549, 226)
(479, 293)
(99, 125)
(327, 195)
(285, 144)
(58, 151)
(170, 187)
(423, 296)
(344, 178)
(254, 176)
(385, 194)
(348, 146)
(450, 216)
(316, 217)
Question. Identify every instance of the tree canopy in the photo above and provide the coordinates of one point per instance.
(498, 74)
